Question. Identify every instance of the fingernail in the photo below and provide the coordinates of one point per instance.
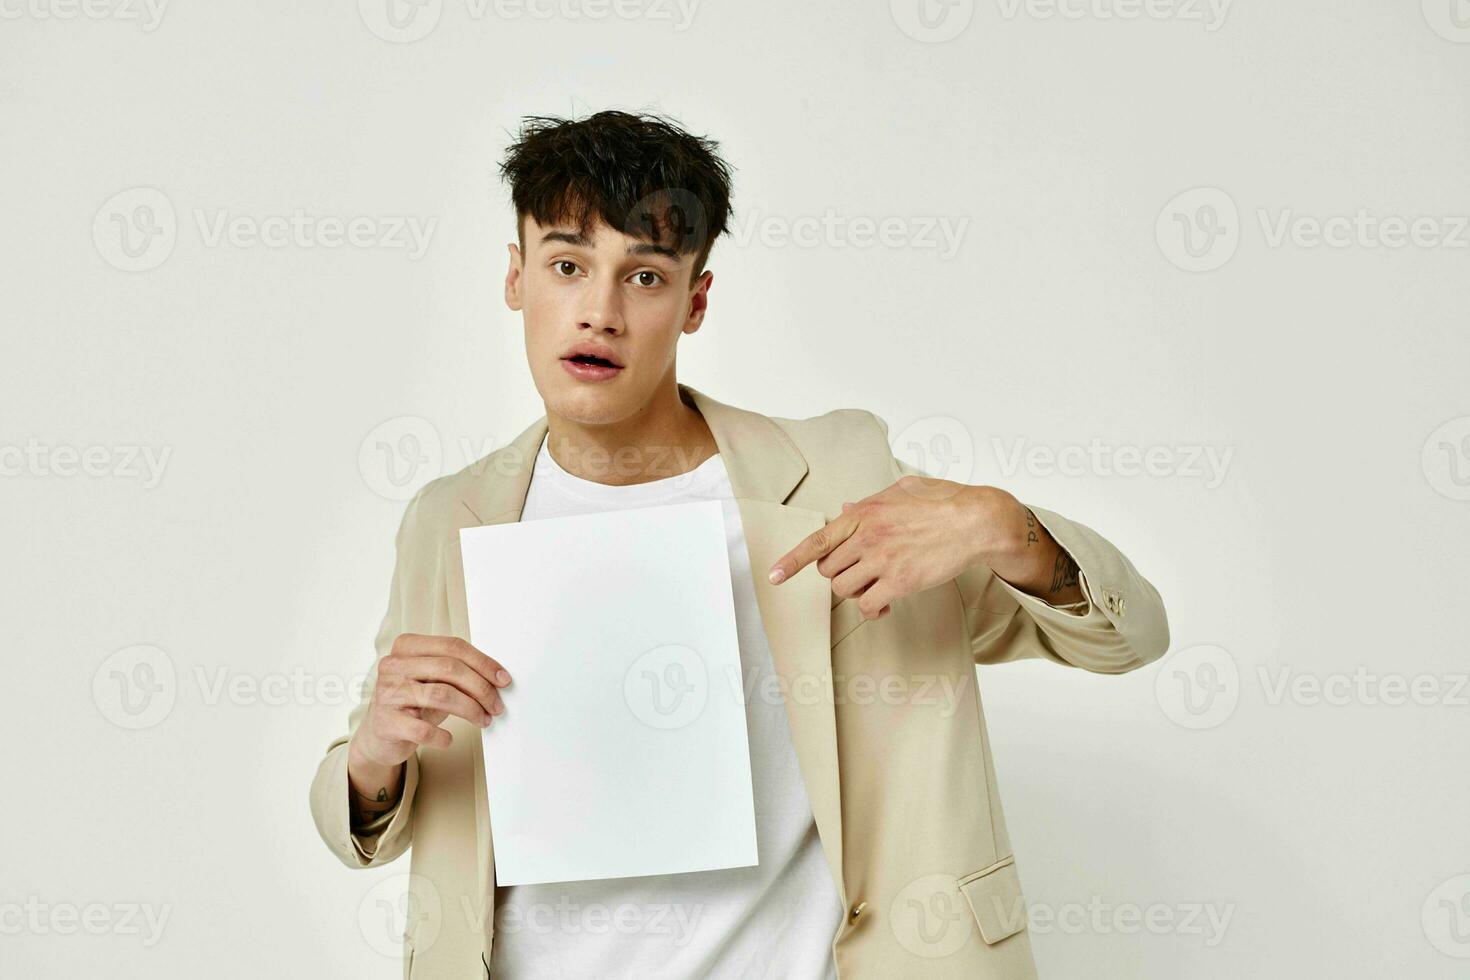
(776, 575)
(502, 678)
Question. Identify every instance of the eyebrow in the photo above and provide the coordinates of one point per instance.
(582, 241)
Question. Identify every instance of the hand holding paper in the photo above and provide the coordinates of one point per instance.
(422, 681)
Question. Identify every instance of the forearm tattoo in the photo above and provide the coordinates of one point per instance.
(1031, 536)
(1063, 573)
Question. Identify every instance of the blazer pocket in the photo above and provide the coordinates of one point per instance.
(995, 898)
(846, 617)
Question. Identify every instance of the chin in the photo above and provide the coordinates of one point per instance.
(587, 403)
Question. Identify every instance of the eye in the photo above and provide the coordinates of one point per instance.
(565, 267)
(648, 272)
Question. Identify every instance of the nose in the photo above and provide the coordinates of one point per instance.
(603, 311)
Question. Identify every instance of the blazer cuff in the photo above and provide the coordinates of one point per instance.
(1121, 623)
(1083, 613)
(368, 839)
(371, 843)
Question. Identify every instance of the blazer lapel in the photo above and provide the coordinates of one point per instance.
(797, 619)
(764, 467)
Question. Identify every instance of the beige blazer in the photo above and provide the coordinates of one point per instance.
(885, 714)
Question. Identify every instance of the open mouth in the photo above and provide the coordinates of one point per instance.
(589, 359)
(587, 366)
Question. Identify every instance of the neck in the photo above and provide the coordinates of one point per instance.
(666, 437)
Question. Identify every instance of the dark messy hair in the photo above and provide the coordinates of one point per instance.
(641, 174)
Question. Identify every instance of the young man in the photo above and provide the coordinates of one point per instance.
(865, 595)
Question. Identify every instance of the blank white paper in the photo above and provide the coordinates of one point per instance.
(622, 750)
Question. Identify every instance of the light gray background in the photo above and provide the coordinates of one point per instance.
(1069, 318)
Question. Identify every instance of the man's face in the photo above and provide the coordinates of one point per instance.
(627, 297)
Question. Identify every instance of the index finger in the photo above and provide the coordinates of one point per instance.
(813, 546)
(417, 645)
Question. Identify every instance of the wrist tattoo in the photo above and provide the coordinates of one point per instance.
(372, 805)
(1063, 573)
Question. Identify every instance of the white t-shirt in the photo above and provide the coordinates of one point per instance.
(774, 921)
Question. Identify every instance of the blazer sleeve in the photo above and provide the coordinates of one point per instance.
(1119, 625)
(389, 834)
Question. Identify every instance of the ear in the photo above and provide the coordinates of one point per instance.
(513, 278)
(698, 301)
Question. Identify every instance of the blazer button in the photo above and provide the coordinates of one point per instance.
(857, 910)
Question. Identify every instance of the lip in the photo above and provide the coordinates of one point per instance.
(590, 349)
(590, 372)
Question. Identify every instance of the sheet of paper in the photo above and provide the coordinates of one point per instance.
(622, 750)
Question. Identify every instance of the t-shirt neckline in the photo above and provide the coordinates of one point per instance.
(708, 476)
